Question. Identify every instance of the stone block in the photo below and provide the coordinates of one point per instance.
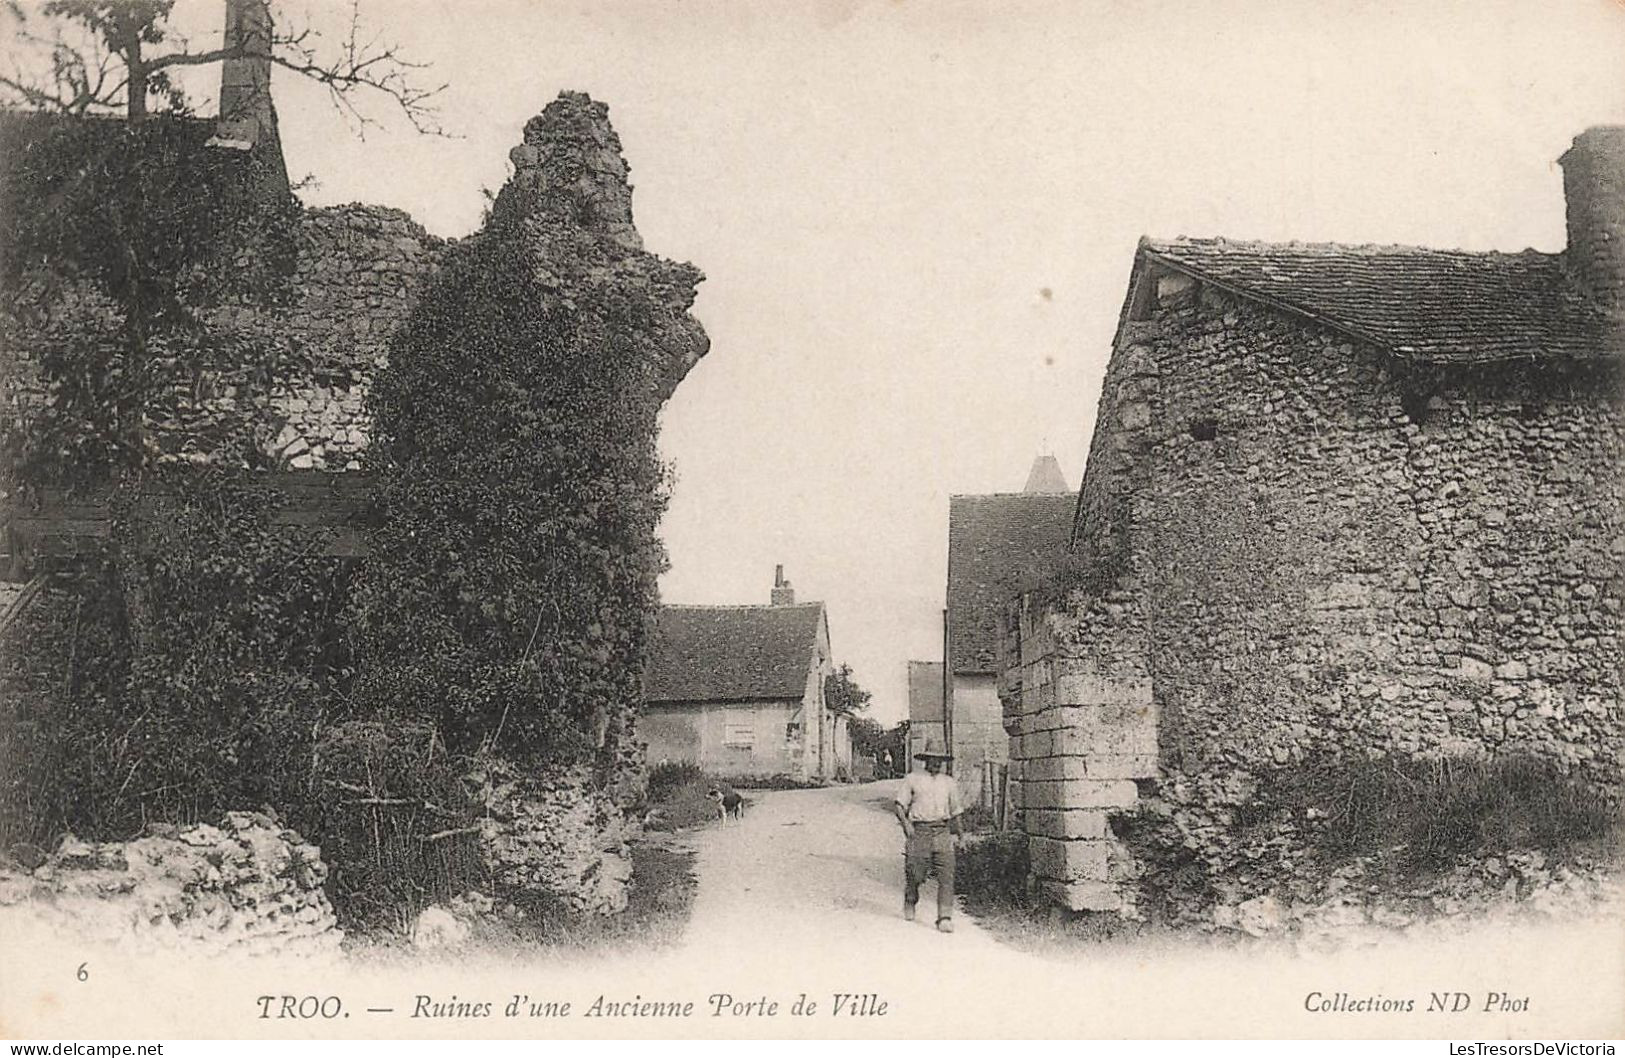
(1046, 769)
(1122, 766)
(1102, 731)
(1080, 793)
(1109, 724)
(1093, 766)
(1069, 861)
(1089, 688)
(1134, 415)
(1036, 697)
(1068, 823)
(1082, 896)
(1040, 744)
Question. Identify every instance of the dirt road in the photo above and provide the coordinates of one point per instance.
(806, 895)
(820, 867)
(797, 931)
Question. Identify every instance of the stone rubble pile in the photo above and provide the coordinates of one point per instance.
(244, 886)
(1356, 905)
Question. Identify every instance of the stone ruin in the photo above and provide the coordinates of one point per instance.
(357, 278)
(243, 886)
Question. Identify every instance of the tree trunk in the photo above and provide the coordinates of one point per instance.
(136, 92)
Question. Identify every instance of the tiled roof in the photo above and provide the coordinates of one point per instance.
(925, 692)
(732, 653)
(997, 546)
(1437, 305)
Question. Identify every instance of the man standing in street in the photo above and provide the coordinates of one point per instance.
(928, 807)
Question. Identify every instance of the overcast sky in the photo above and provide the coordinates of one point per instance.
(917, 219)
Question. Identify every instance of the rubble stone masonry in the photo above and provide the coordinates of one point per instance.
(357, 275)
(1293, 545)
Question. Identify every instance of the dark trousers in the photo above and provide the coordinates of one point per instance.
(931, 849)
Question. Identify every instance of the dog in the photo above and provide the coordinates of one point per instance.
(729, 803)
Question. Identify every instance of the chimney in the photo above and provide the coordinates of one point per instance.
(247, 119)
(1594, 193)
(783, 594)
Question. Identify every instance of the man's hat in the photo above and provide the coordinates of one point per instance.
(934, 748)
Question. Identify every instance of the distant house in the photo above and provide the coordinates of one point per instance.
(997, 544)
(925, 697)
(740, 690)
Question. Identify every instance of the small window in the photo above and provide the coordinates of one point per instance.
(792, 731)
(1204, 429)
(1416, 404)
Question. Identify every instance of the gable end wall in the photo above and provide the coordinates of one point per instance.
(1293, 549)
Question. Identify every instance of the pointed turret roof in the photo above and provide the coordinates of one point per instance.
(1046, 477)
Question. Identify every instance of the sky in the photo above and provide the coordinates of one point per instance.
(917, 218)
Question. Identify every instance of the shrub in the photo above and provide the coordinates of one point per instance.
(396, 828)
(1420, 815)
(775, 782)
(991, 872)
(684, 806)
(667, 776)
(181, 674)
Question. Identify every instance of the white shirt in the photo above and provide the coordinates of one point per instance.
(928, 798)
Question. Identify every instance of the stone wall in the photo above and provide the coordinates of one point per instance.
(558, 832)
(246, 886)
(359, 269)
(1408, 563)
(1086, 730)
(1293, 547)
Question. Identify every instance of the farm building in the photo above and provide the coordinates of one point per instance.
(1342, 502)
(740, 691)
(997, 545)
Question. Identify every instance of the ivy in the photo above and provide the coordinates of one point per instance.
(185, 672)
(180, 671)
(115, 240)
(513, 579)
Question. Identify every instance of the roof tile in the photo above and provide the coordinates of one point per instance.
(1434, 305)
(731, 653)
(997, 545)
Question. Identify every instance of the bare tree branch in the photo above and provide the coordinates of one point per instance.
(80, 83)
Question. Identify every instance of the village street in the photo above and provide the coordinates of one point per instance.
(796, 931)
(805, 896)
(818, 866)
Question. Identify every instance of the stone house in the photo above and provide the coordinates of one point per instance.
(1341, 501)
(997, 545)
(739, 690)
